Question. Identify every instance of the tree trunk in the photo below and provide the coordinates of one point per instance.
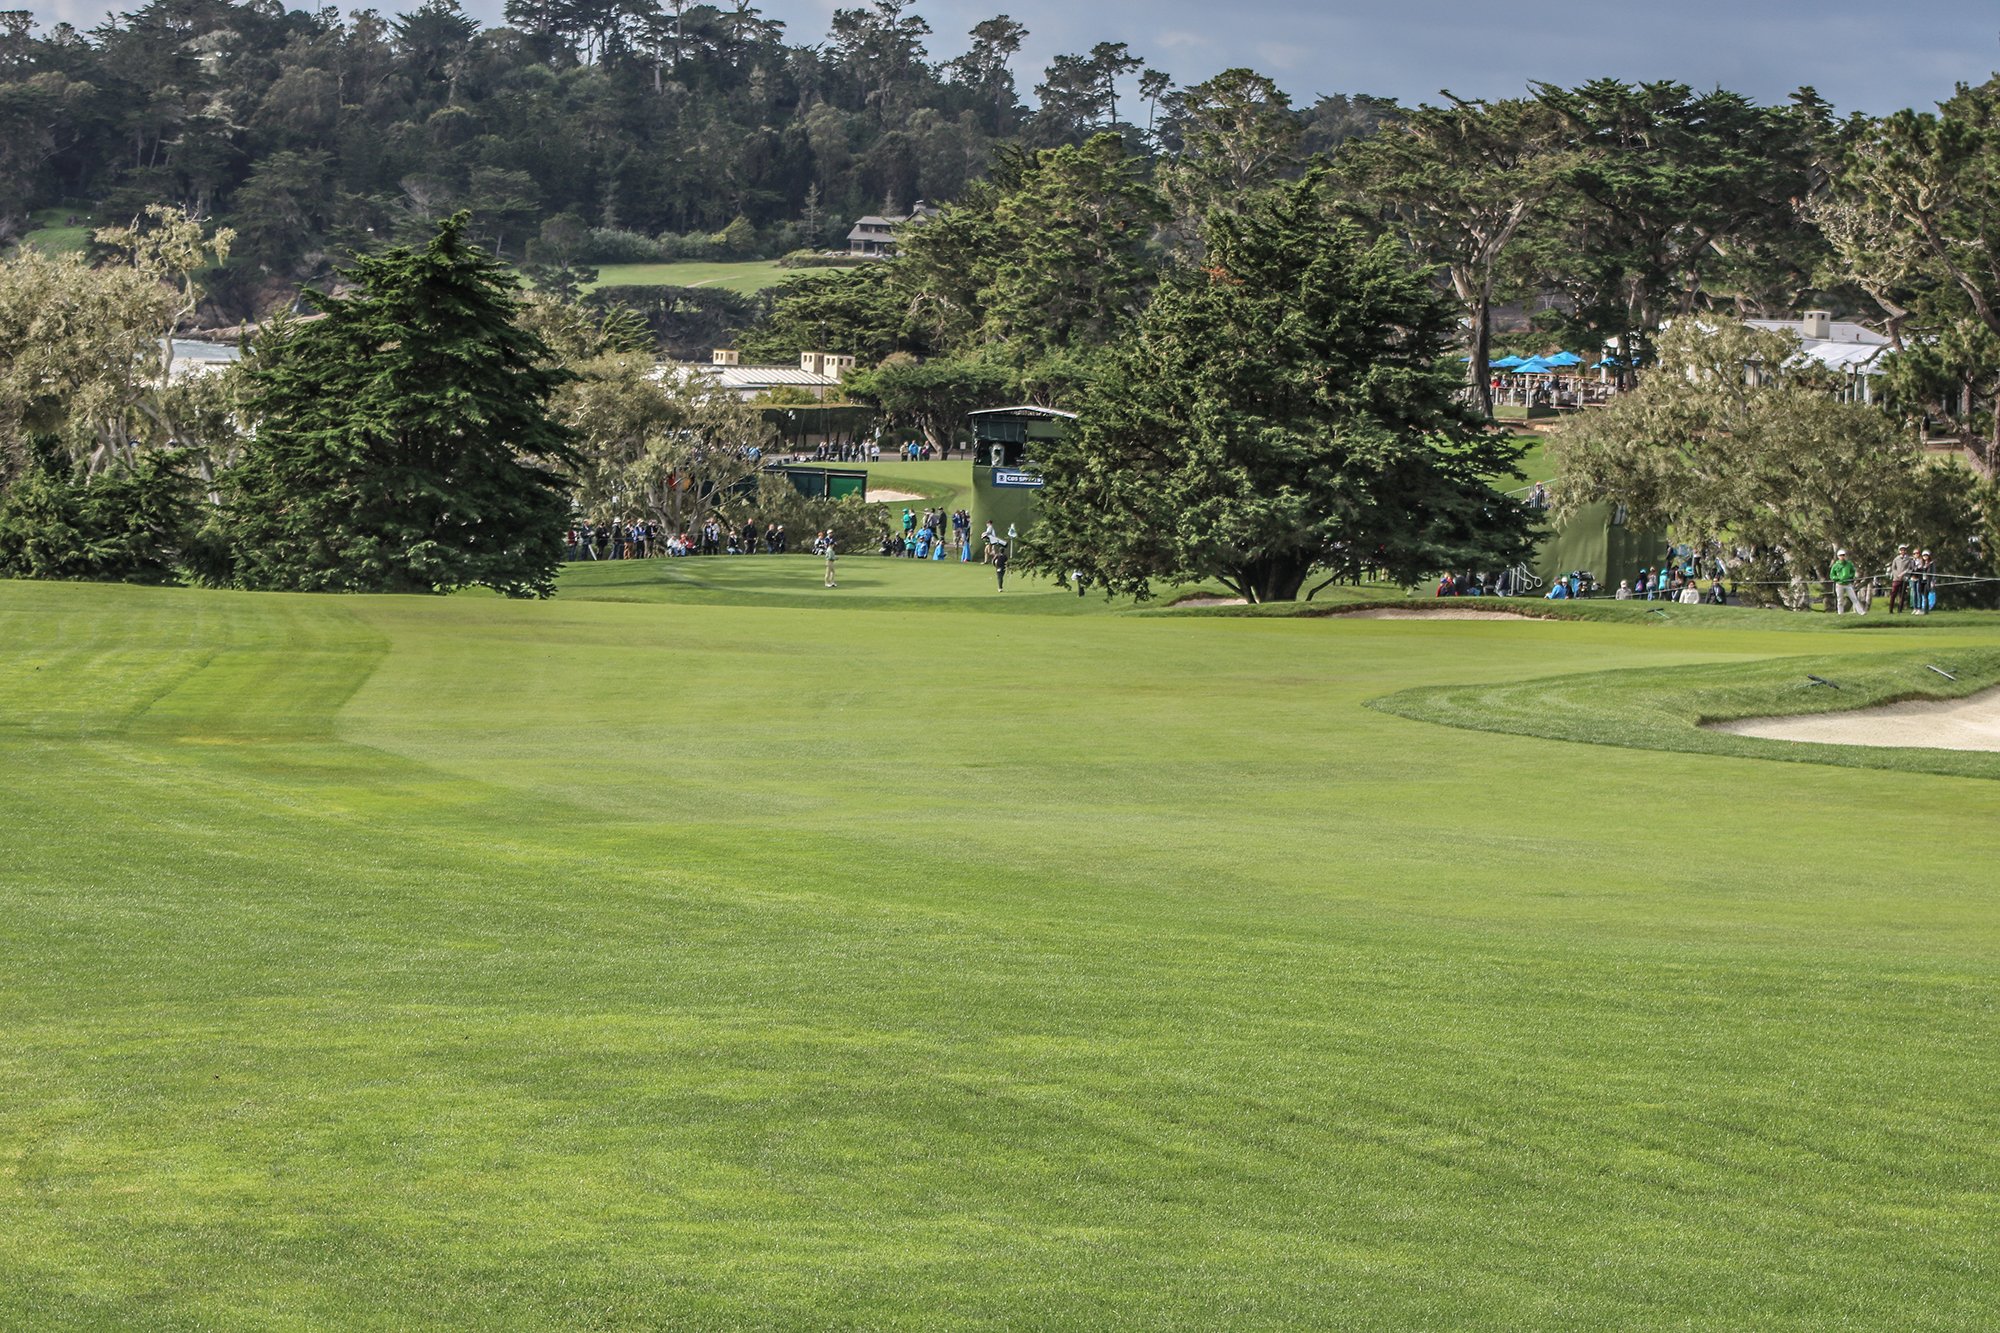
(1482, 350)
(1272, 579)
(1992, 463)
(1475, 292)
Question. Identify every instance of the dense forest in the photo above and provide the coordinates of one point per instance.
(641, 131)
(590, 132)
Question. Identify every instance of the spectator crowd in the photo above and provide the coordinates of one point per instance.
(931, 535)
(640, 540)
(1911, 581)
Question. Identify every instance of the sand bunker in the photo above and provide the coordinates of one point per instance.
(1442, 613)
(1971, 723)
(882, 495)
(1209, 601)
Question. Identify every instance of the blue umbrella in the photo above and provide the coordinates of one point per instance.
(1564, 359)
(1505, 363)
(1534, 365)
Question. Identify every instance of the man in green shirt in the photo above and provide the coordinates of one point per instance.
(1841, 574)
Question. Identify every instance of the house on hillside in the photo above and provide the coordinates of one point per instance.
(874, 237)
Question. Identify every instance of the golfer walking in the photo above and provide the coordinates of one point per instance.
(1000, 566)
(826, 549)
(1841, 571)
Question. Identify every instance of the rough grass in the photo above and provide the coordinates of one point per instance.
(1532, 467)
(1643, 710)
(755, 956)
(1658, 616)
(747, 277)
(53, 234)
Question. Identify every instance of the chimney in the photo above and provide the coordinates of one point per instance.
(1819, 324)
(725, 356)
(812, 363)
(838, 366)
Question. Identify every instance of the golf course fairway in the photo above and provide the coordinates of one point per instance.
(705, 948)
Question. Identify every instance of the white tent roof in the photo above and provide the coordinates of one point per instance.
(1850, 358)
(754, 377)
(1838, 331)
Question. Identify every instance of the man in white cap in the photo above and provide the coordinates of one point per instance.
(1841, 573)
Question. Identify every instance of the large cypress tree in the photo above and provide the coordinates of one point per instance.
(1286, 407)
(403, 441)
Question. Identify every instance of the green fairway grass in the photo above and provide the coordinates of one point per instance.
(866, 581)
(1534, 463)
(704, 948)
(945, 482)
(747, 277)
(1638, 708)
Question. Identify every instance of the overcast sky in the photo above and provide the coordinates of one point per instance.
(1867, 55)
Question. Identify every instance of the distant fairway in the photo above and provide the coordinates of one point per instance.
(941, 481)
(708, 949)
(747, 278)
(54, 234)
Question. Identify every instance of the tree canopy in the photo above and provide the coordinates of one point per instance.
(1734, 444)
(1281, 409)
(405, 440)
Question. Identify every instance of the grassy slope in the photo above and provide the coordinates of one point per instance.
(52, 234)
(728, 962)
(748, 277)
(1534, 464)
(946, 482)
(1638, 708)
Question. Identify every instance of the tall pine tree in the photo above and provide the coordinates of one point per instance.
(1286, 408)
(403, 441)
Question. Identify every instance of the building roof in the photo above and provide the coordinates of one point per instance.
(1850, 348)
(919, 212)
(1024, 410)
(196, 356)
(1854, 358)
(752, 377)
(1838, 331)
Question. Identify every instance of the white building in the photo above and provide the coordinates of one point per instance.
(817, 373)
(195, 356)
(1851, 350)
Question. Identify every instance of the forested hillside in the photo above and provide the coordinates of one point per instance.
(606, 131)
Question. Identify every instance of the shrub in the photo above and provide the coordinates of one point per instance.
(689, 245)
(857, 525)
(815, 259)
(132, 525)
(609, 245)
(738, 240)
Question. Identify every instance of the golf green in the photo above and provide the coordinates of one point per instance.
(706, 948)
